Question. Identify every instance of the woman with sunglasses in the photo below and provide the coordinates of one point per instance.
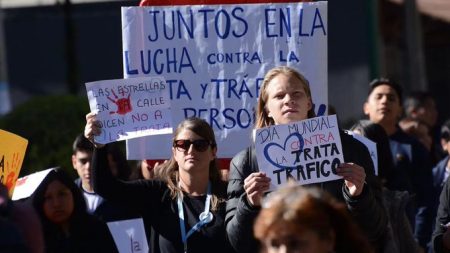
(186, 209)
(285, 97)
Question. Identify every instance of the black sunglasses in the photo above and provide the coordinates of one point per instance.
(199, 145)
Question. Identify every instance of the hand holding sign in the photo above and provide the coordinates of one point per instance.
(92, 128)
(308, 151)
(130, 108)
(354, 176)
(255, 185)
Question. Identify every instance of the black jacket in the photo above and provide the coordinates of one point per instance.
(108, 211)
(443, 217)
(367, 209)
(152, 200)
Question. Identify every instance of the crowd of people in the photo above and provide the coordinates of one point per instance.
(189, 204)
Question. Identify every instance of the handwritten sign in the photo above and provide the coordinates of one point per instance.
(27, 185)
(214, 59)
(130, 108)
(307, 151)
(12, 152)
(371, 146)
(129, 236)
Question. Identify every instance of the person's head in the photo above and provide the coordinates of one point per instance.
(117, 162)
(194, 151)
(384, 102)
(58, 200)
(377, 134)
(420, 105)
(285, 97)
(194, 146)
(445, 136)
(82, 150)
(145, 169)
(298, 219)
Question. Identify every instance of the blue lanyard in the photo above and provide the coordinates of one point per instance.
(204, 218)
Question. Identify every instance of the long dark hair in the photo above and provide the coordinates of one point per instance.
(38, 200)
(377, 134)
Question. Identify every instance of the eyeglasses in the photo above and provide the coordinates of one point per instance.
(199, 145)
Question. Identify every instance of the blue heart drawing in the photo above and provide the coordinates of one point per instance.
(266, 149)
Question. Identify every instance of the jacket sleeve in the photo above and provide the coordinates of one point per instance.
(140, 194)
(367, 208)
(240, 215)
(423, 183)
(443, 217)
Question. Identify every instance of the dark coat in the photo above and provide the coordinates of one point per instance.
(412, 171)
(89, 235)
(86, 233)
(367, 209)
(152, 200)
(443, 217)
(108, 211)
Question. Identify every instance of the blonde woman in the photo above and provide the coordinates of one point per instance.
(285, 97)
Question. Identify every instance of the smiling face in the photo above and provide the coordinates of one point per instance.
(190, 159)
(287, 100)
(383, 106)
(58, 203)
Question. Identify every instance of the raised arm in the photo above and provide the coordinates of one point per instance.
(141, 194)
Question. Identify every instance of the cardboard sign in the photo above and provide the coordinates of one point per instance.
(27, 185)
(307, 151)
(12, 152)
(214, 58)
(130, 108)
(371, 146)
(129, 236)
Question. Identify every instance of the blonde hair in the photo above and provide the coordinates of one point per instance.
(169, 171)
(262, 119)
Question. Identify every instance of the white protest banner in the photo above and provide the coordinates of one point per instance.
(371, 146)
(129, 235)
(26, 185)
(307, 151)
(130, 108)
(214, 59)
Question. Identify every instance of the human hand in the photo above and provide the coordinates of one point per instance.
(92, 128)
(255, 185)
(354, 177)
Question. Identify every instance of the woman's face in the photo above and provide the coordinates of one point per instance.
(58, 203)
(190, 158)
(287, 100)
(303, 242)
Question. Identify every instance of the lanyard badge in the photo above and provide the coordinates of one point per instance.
(204, 218)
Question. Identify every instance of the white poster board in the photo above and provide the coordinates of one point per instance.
(129, 235)
(307, 151)
(130, 108)
(371, 146)
(214, 58)
(25, 186)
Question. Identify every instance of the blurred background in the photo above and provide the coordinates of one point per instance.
(50, 48)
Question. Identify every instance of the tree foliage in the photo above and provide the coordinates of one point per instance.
(50, 124)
